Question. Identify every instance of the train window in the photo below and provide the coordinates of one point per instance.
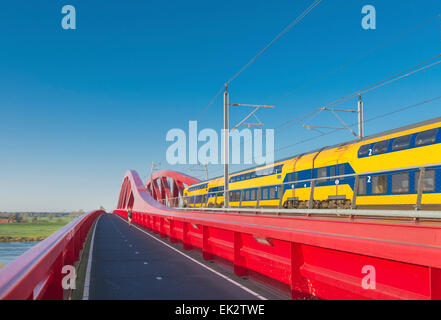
(253, 195)
(364, 150)
(265, 194)
(238, 194)
(248, 195)
(321, 173)
(401, 143)
(429, 181)
(400, 182)
(380, 147)
(362, 186)
(426, 137)
(332, 171)
(272, 194)
(341, 169)
(379, 184)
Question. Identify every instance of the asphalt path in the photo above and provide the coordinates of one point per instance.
(128, 263)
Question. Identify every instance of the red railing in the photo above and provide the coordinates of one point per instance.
(324, 258)
(37, 274)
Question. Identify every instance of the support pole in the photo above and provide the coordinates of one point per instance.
(226, 148)
(151, 176)
(420, 188)
(360, 118)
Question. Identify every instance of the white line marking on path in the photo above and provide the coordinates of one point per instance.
(89, 264)
(201, 264)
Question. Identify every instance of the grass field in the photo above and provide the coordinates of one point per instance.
(32, 231)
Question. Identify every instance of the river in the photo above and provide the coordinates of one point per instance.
(11, 250)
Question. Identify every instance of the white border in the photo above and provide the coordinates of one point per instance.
(89, 264)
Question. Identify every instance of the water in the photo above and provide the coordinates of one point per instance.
(11, 250)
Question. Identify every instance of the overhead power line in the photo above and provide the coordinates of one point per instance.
(353, 124)
(427, 64)
(368, 120)
(269, 45)
(311, 115)
(281, 34)
(398, 76)
(360, 57)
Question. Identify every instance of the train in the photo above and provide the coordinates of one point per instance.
(396, 169)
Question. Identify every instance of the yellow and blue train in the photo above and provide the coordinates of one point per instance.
(396, 169)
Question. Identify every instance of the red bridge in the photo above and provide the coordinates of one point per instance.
(307, 255)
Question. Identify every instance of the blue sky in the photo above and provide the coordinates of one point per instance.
(80, 107)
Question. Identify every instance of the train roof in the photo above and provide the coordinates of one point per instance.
(373, 136)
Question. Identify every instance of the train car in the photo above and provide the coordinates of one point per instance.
(196, 195)
(397, 169)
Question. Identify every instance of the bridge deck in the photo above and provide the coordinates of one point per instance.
(128, 264)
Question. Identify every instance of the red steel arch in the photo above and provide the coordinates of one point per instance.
(164, 186)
